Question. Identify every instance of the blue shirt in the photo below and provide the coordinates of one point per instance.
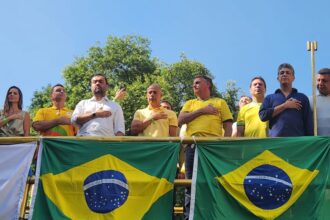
(290, 122)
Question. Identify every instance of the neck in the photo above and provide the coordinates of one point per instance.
(258, 99)
(286, 89)
(98, 97)
(14, 108)
(154, 104)
(205, 96)
(58, 105)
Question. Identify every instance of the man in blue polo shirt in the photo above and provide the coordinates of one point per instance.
(287, 110)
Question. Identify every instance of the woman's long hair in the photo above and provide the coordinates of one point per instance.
(8, 104)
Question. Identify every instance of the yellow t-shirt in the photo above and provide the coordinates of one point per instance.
(47, 114)
(248, 117)
(158, 128)
(207, 125)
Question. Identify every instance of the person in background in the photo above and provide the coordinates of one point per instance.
(55, 120)
(248, 121)
(13, 120)
(288, 111)
(155, 120)
(98, 116)
(323, 102)
(244, 100)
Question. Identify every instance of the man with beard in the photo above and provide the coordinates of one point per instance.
(55, 120)
(288, 111)
(248, 121)
(99, 116)
(155, 120)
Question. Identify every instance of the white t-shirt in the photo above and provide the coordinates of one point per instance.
(323, 114)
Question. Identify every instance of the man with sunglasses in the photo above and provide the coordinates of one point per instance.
(287, 110)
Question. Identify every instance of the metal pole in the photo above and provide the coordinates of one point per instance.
(312, 47)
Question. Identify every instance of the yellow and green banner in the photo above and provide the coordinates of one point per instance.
(281, 178)
(85, 179)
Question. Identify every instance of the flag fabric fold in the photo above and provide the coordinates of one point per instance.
(15, 163)
(105, 180)
(282, 178)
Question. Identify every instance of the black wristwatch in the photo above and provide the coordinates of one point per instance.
(94, 115)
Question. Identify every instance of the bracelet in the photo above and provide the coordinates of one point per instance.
(5, 120)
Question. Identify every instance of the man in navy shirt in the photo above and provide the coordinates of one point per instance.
(287, 110)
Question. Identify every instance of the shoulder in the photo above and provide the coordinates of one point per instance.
(170, 112)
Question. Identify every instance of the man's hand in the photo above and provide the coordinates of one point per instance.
(159, 115)
(63, 121)
(103, 114)
(210, 110)
(293, 103)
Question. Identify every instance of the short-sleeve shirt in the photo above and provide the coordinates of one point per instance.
(157, 128)
(248, 117)
(51, 113)
(108, 126)
(207, 125)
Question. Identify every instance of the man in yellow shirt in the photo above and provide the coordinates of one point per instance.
(204, 116)
(55, 120)
(155, 120)
(248, 121)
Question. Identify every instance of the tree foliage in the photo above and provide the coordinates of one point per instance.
(127, 62)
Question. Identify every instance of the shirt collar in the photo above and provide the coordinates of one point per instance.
(293, 91)
(103, 99)
(54, 107)
(158, 108)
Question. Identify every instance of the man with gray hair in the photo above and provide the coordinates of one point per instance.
(287, 110)
(323, 102)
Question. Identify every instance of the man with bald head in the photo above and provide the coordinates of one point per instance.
(154, 120)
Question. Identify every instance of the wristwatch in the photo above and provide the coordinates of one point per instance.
(94, 115)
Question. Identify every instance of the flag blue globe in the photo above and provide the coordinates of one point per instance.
(105, 191)
(268, 187)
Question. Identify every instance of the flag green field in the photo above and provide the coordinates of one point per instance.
(105, 180)
(280, 178)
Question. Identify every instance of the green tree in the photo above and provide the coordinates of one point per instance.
(127, 62)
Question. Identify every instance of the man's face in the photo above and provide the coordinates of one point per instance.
(257, 88)
(285, 76)
(166, 105)
(99, 86)
(200, 85)
(323, 84)
(243, 101)
(58, 93)
(154, 94)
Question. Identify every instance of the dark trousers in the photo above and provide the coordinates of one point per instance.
(189, 165)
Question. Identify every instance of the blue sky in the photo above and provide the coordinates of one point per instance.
(236, 40)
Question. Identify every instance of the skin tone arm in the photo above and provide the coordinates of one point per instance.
(139, 126)
(45, 125)
(173, 131)
(82, 119)
(227, 126)
(240, 131)
(10, 118)
(290, 103)
(186, 117)
(26, 124)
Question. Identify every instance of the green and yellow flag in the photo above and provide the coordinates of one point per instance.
(283, 178)
(105, 180)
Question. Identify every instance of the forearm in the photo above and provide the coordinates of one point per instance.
(227, 126)
(82, 119)
(240, 131)
(139, 126)
(44, 125)
(278, 109)
(186, 117)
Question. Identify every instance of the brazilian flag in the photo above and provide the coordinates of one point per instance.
(279, 178)
(94, 180)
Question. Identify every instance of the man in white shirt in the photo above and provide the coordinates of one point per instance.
(99, 116)
(323, 102)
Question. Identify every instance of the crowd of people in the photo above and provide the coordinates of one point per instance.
(284, 113)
